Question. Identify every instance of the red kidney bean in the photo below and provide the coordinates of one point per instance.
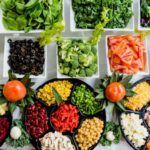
(36, 120)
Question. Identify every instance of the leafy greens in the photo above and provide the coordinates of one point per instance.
(32, 14)
(87, 12)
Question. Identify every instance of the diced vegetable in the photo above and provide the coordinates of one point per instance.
(65, 118)
(77, 58)
(85, 100)
(127, 54)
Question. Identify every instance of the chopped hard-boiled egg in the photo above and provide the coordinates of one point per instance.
(15, 133)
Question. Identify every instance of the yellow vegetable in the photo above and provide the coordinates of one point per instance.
(3, 109)
(141, 99)
(62, 87)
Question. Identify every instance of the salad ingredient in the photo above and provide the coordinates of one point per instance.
(56, 141)
(62, 87)
(65, 118)
(30, 15)
(147, 116)
(133, 129)
(141, 98)
(99, 28)
(115, 92)
(15, 133)
(84, 98)
(18, 136)
(49, 36)
(127, 54)
(112, 134)
(4, 128)
(105, 82)
(3, 109)
(36, 120)
(87, 13)
(145, 13)
(77, 58)
(89, 133)
(14, 91)
(148, 145)
(26, 56)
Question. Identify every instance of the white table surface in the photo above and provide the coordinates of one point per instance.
(51, 70)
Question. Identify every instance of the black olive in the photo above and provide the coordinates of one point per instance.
(9, 41)
(26, 56)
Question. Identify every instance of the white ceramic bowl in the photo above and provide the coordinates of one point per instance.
(5, 31)
(59, 75)
(6, 66)
(109, 72)
(130, 26)
(139, 19)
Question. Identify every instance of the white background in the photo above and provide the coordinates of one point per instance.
(51, 68)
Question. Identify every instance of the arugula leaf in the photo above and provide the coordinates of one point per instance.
(3, 100)
(12, 107)
(11, 75)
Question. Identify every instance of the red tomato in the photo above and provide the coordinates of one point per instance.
(115, 92)
(14, 91)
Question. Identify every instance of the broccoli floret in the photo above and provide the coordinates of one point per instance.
(75, 64)
(65, 44)
(82, 73)
(66, 70)
(89, 59)
(72, 73)
(82, 58)
(89, 72)
(93, 67)
(94, 50)
(62, 54)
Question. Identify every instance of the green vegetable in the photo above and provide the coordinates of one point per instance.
(77, 58)
(23, 139)
(32, 14)
(85, 100)
(99, 28)
(48, 36)
(111, 126)
(87, 13)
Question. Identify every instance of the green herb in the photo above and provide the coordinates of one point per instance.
(48, 36)
(111, 126)
(23, 139)
(32, 14)
(85, 100)
(77, 58)
(87, 13)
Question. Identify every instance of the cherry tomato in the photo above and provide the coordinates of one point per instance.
(14, 91)
(115, 92)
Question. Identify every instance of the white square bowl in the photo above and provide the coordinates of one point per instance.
(139, 19)
(6, 66)
(5, 31)
(130, 26)
(109, 72)
(59, 75)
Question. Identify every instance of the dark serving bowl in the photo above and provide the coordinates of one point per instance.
(52, 108)
(141, 113)
(9, 117)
